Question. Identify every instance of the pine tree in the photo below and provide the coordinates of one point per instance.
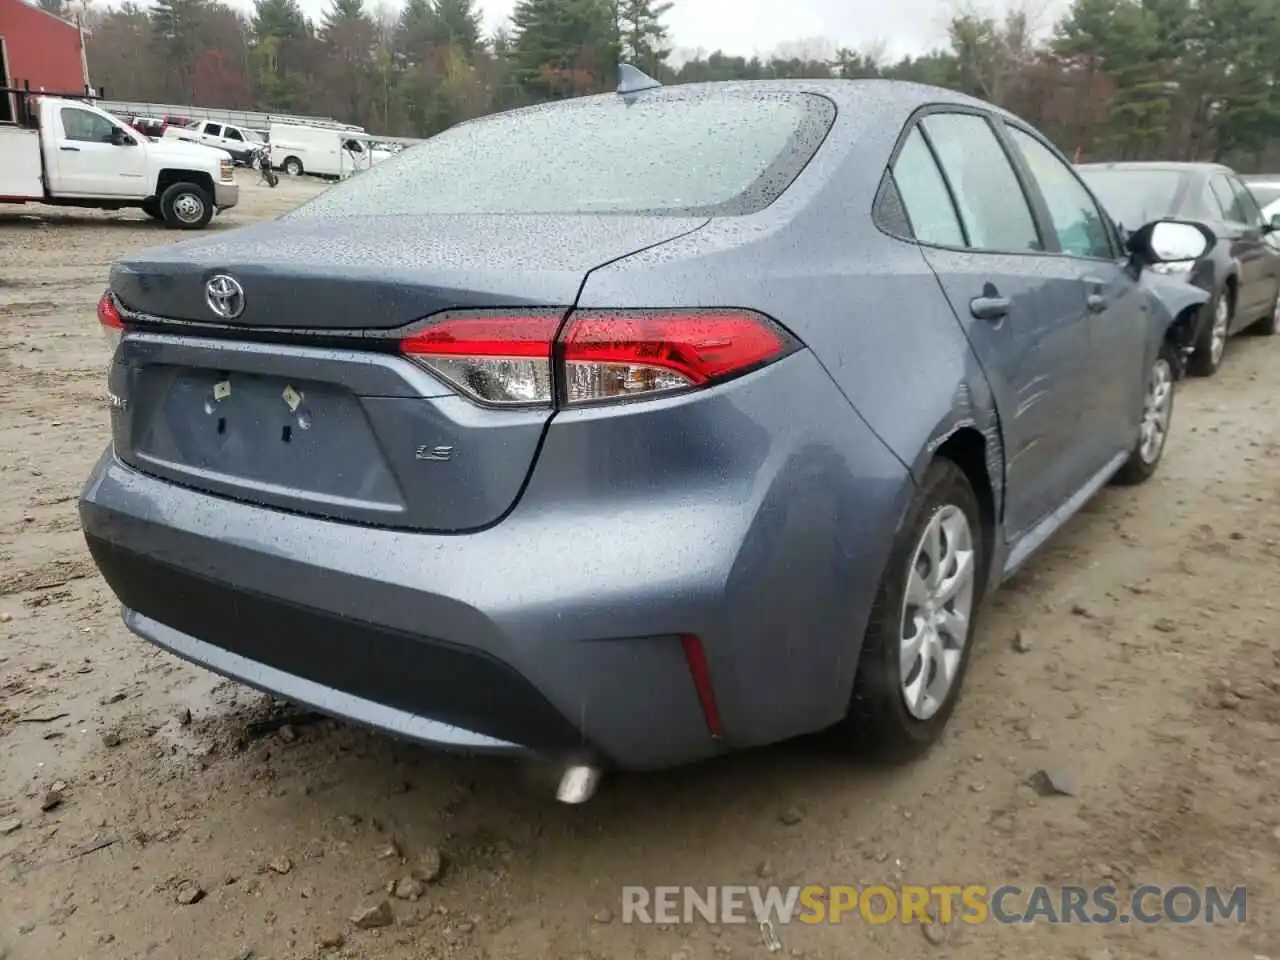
(282, 19)
(417, 29)
(341, 15)
(564, 47)
(177, 29)
(642, 35)
(459, 22)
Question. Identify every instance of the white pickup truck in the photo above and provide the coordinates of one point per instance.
(240, 142)
(67, 152)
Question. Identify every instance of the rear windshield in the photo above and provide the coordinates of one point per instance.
(1136, 197)
(1264, 193)
(717, 153)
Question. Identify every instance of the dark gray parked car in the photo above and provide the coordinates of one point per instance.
(642, 426)
(1242, 271)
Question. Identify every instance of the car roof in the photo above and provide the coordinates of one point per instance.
(876, 95)
(1171, 166)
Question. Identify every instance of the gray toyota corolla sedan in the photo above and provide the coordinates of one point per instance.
(637, 427)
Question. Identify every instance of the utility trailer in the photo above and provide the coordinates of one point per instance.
(63, 150)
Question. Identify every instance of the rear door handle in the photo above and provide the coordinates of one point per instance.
(70, 149)
(989, 308)
(1096, 302)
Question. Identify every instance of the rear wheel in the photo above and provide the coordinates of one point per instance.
(293, 166)
(916, 649)
(1157, 412)
(186, 206)
(1211, 345)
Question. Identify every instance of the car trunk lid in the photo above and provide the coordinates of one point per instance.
(302, 402)
(361, 273)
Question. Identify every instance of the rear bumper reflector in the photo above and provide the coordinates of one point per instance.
(696, 658)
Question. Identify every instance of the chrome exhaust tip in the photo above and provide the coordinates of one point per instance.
(578, 783)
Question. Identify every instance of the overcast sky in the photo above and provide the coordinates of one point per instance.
(759, 26)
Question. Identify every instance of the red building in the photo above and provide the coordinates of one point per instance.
(40, 50)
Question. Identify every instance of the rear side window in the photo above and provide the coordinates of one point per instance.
(992, 205)
(713, 153)
(213, 129)
(1227, 199)
(1246, 202)
(1214, 205)
(924, 194)
(1136, 196)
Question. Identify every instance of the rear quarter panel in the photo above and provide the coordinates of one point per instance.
(865, 303)
(903, 378)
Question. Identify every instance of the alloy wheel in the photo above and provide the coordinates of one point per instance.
(936, 611)
(1156, 407)
(1218, 333)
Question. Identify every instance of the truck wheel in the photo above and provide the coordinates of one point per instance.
(293, 167)
(186, 206)
(152, 209)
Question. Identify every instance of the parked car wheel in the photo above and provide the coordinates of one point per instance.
(186, 206)
(916, 648)
(1268, 325)
(152, 209)
(1211, 345)
(293, 166)
(1157, 412)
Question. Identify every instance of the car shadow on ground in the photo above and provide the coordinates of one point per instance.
(118, 219)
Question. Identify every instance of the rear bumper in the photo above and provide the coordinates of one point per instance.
(226, 195)
(362, 671)
(557, 629)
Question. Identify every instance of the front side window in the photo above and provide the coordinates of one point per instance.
(673, 151)
(85, 126)
(993, 208)
(924, 194)
(1078, 223)
(233, 134)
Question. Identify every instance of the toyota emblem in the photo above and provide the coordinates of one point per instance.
(225, 296)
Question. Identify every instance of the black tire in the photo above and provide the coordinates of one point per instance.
(879, 721)
(152, 209)
(1220, 310)
(186, 206)
(1141, 467)
(292, 166)
(1268, 325)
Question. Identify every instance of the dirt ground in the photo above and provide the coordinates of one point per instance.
(192, 818)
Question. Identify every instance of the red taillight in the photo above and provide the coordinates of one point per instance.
(499, 358)
(507, 358)
(110, 319)
(108, 313)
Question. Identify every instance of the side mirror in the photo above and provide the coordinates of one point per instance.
(1273, 225)
(120, 139)
(1170, 241)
